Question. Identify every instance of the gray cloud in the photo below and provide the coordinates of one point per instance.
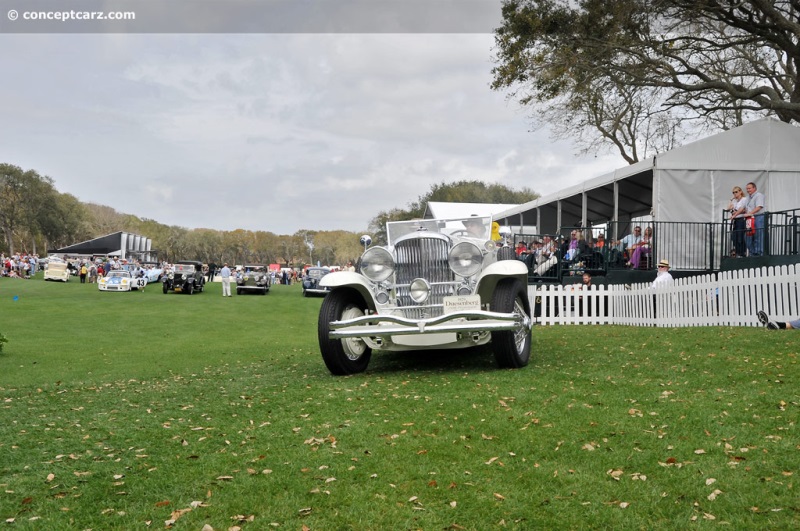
(268, 132)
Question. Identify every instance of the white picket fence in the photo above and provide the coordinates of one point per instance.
(728, 298)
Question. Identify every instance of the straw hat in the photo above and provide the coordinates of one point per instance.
(664, 263)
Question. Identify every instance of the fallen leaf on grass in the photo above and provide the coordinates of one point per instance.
(50, 477)
(615, 473)
(499, 496)
(713, 495)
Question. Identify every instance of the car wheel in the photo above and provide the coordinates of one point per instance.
(165, 287)
(238, 291)
(512, 349)
(190, 289)
(264, 291)
(342, 356)
(305, 293)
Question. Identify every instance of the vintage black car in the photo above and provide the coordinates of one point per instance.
(254, 279)
(185, 276)
(311, 280)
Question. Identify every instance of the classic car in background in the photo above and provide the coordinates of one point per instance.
(311, 281)
(254, 279)
(56, 269)
(438, 284)
(120, 280)
(186, 276)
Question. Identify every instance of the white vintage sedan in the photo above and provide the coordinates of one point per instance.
(120, 280)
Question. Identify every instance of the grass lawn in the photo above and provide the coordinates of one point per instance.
(143, 410)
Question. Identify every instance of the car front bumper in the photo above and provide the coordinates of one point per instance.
(386, 326)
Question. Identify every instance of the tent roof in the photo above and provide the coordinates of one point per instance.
(441, 210)
(765, 144)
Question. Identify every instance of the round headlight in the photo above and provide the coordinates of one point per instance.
(377, 264)
(465, 259)
(419, 290)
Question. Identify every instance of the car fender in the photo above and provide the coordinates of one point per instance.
(348, 279)
(494, 273)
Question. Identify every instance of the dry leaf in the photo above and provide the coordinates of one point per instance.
(713, 495)
(50, 477)
(699, 451)
(615, 473)
(623, 505)
(710, 481)
(499, 496)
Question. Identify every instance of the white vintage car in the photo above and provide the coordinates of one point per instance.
(438, 284)
(120, 280)
(56, 269)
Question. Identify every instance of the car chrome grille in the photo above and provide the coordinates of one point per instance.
(423, 258)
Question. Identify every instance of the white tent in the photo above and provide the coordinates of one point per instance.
(441, 210)
(691, 183)
(694, 182)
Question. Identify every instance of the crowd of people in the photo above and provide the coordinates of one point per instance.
(19, 265)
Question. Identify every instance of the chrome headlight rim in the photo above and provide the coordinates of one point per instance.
(465, 259)
(377, 264)
(419, 290)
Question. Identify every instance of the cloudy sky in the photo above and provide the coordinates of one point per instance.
(275, 132)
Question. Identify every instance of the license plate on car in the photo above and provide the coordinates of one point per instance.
(460, 303)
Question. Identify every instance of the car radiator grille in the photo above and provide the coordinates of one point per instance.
(423, 258)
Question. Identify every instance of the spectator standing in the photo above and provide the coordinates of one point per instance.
(225, 275)
(738, 209)
(755, 208)
(83, 272)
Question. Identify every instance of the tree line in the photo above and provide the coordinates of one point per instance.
(35, 218)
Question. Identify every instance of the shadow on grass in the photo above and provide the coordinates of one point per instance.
(477, 359)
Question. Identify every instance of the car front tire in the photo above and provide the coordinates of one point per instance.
(190, 289)
(165, 288)
(342, 356)
(512, 349)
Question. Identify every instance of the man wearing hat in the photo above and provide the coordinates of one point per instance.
(663, 278)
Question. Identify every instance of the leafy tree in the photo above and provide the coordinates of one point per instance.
(631, 71)
(24, 197)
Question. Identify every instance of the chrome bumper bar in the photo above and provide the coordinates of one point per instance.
(377, 325)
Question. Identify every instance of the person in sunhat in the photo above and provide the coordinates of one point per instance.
(663, 278)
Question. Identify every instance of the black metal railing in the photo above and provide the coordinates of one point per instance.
(780, 235)
(687, 246)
